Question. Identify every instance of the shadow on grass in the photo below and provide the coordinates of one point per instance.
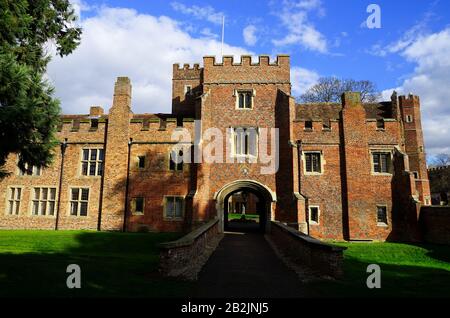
(112, 264)
(430, 277)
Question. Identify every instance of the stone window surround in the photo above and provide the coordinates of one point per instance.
(36, 171)
(183, 207)
(188, 90)
(232, 143)
(88, 147)
(409, 118)
(69, 201)
(32, 199)
(138, 162)
(244, 90)
(382, 224)
(176, 164)
(312, 222)
(8, 195)
(391, 158)
(322, 163)
(133, 205)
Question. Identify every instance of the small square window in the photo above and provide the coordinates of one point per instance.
(141, 162)
(416, 175)
(176, 160)
(145, 124)
(314, 214)
(187, 90)
(381, 215)
(409, 118)
(245, 141)
(139, 205)
(94, 123)
(380, 124)
(313, 162)
(308, 125)
(245, 99)
(174, 207)
(381, 162)
(326, 125)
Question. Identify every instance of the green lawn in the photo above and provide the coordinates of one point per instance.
(33, 263)
(237, 216)
(406, 271)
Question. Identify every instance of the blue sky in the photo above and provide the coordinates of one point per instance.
(141, 39)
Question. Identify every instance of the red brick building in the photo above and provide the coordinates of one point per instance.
(343, 171)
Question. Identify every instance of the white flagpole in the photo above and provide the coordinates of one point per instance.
(223, 33)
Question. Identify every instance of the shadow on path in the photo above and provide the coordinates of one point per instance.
(244, 265)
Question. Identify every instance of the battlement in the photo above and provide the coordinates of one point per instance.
(439, 168)
(230, 71)
(187, 72)
(246, 60)
(409, 100)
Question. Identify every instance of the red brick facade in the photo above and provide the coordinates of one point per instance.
(137, 190)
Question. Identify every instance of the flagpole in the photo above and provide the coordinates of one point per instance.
(223, 33)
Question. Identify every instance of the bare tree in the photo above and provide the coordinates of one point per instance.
(330, 90)
(441, 160)
(326, 90)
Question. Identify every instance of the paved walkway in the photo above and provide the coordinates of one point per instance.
(244, 265)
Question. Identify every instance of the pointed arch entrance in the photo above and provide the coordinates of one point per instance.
(266, 198)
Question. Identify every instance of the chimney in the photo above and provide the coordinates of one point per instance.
(96, 111)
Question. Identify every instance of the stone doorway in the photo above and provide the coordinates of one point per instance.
(249, 197)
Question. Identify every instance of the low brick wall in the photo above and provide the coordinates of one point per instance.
(185, 257)
(435, 224)
(303, 250)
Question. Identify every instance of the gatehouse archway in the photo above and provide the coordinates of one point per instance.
(265, 203)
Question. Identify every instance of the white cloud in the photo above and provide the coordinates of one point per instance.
(431, 81)
(294, 17)
(249, 34)
(207, 33)
(408, 38)
(121, 42)
(302, 79)
(207, 13)
(80, 6)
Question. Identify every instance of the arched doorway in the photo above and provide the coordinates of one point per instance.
(265, 196)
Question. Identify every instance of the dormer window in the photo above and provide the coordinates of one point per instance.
(245, 99)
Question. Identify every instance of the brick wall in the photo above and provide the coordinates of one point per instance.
(304, 250)
(347, 192)
(185, 257)
(435, 224)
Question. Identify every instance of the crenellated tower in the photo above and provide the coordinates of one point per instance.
(186, 87)
(414, 144)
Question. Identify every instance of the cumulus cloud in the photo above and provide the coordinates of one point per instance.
(207, 13)
(122, 42)
(431, 81)
(249, 34)
(302, 79)
(294, 17)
